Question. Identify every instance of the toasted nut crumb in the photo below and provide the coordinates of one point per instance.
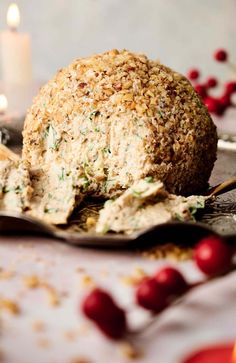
(53, 297)
(10, 306)
(90, 222)
(169, 251)
(87, 281)
(34, 282)
(135, 278)
(129, 352)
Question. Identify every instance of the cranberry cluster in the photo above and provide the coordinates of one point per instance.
(215, 105)
(212, 255)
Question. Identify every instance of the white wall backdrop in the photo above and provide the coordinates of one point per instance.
(181, 33)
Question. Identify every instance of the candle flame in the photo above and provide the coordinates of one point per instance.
(234, 354)
(13, 16)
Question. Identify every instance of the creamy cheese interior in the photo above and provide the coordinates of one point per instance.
(15, 184)
(146, 204)
(52, 195)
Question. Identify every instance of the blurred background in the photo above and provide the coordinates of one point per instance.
(182, 34)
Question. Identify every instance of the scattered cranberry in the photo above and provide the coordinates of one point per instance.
(115, 327)
(225, 100)
(221, 55)
(171, 280)
(211, 82)
(212, 255)
(100, 307)
(230, 88)
(214, 106)
(193, 74)
(152, 296)
(201, 90)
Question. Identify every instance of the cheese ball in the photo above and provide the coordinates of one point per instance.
(111, 119)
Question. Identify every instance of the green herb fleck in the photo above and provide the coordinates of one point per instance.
(18, 189)
(106, 150)
(179, 217)
(62, 175)
(85, 183)
(149, 179)
(106, 228)
(5, 189)
(136, 193)
(53, 140)
(51, 210)
(94, 114)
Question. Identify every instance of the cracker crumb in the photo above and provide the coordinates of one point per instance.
(129, 352)
(9, 305)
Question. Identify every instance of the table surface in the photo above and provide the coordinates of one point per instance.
(46, 332)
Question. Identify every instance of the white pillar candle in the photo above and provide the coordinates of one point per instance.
(3, 103)
(15, 51)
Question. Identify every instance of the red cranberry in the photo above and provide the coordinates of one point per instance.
(193, 74)
(116, 327)
(212, 255)
(171, 280)
(151, 296)
(221, 55)
(98, 303)
(100, 307)
(201, 90)
(230, 88)
(225, 100)
(211, 82)
(214, 106)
